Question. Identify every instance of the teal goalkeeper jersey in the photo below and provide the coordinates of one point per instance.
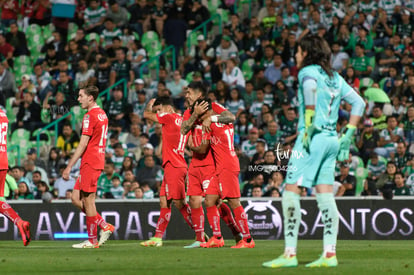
(330, 91)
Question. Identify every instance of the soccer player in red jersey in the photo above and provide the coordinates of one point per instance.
(161, 110)
(5, 208)
(225, 182)
(202, 166)
(91, 149)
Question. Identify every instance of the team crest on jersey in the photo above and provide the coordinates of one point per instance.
(178, 121)
(102, 117)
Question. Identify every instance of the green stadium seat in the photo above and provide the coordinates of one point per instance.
(22, 60)
(48, 30)
(19, 135)
(382, 83)
(366, 82)
(92, 36)
(72, 30)
(148, 37)
(41, 142)
(33, 29)
(247, 68)
(11, 113)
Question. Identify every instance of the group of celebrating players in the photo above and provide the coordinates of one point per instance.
(206, 128)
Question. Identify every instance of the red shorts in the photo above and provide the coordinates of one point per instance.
(199, 179)
(3, 174)
(88, 179)
(225, 184)
(173, 184)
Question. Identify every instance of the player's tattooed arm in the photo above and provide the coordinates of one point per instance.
(226, 117)
(188, 124)
(148, 114)
(198, 110)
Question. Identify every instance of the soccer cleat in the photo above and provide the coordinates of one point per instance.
(106, 233)
(282, 261)
(238, 237)
(206, 237)
(324, 262)
(24, 228)
(196, 244)
(213, 242)
(244, 244)
(86, 244)
(155, 242)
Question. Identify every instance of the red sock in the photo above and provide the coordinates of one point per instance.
(100, 221)
(197, 217)
(241, 220)
(186, 212)
(227, 216)
(213, 217)
(7, 211)
(163, 221)
(92, 228)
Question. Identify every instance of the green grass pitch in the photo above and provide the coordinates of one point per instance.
(127, 257)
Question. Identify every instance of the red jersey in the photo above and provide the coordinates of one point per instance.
(222, 145)
(10, 9)
(95, 125)
(197, 135)
(173, 142)
(4, 124)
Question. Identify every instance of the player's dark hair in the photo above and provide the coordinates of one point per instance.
(90, 90)
(318, 53)
(163, 100)
(198, 101)
(198, 86)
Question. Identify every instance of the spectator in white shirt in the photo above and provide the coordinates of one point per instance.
(232, 75)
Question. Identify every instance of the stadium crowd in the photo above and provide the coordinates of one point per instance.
(248, 65)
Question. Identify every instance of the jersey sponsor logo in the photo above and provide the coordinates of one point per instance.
(178, 121)
(102, 117)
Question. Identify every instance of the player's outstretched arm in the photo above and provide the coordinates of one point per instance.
(226, 117)
(84, 140)
(148, 114)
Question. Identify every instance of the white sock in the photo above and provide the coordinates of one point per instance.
(330, 248)
(290, 251)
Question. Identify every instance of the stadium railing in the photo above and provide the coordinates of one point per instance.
(204, 26)
(157, 60)
(17, 148)
(107, 93)
(55, 125)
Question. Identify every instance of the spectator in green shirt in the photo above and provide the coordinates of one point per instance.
(361, 63)
(399, 188)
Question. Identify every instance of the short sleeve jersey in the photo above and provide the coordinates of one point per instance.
(173, 142)
(95, 125)
(4, 124)
(222, 145)
(206, 159)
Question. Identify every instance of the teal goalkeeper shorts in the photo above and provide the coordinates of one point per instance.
(297, 161)
(318, 167)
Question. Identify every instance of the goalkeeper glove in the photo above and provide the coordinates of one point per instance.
(307, 137)
(345, 143)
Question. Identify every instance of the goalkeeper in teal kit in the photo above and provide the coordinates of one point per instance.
(320, 94)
